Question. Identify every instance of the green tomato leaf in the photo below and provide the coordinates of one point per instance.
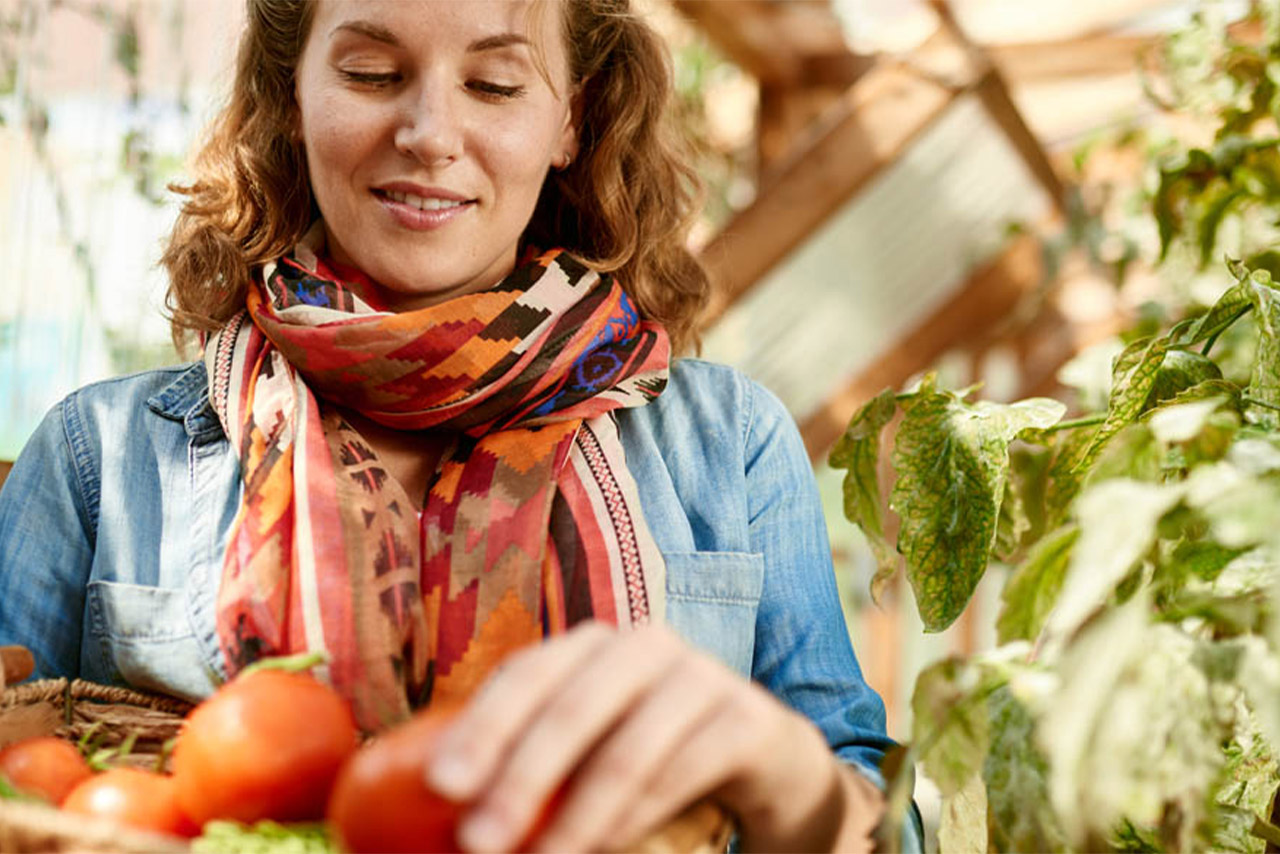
(1229, 308)
(1118, 526)
(1016, 777)
(949, 728)
(858, 452)
(952, 457)
(1032, 590)
(1012, 523)
(963, 827)
(1181, 370)
(1248, 788)
(1262, 396)
(1134, 732)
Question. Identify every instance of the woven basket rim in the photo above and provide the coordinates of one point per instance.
(60, 690)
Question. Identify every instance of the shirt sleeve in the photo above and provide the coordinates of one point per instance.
(46, 547)
(802, 650)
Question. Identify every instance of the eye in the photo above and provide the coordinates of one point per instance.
(495, 91)
(375, 79)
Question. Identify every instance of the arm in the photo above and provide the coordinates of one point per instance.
(46, 547)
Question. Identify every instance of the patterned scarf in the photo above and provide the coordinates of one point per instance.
(531, 524)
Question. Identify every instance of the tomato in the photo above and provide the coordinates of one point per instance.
(47, 767)
(137, 798)
(381, 802)
(266, 745)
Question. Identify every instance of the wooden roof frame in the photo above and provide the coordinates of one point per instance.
(863, 131)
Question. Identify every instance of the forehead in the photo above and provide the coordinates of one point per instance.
(441, 22)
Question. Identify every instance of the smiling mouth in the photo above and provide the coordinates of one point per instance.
(422, 203)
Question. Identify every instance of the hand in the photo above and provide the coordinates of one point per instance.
(637, 726)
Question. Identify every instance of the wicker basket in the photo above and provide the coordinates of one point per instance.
(70, 709)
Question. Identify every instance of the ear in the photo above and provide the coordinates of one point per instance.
(568, 142)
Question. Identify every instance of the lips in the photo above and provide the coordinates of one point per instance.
(422, 208)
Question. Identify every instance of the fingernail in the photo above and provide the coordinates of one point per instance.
(451, 777)
(484, 832)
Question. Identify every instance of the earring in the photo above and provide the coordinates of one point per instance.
(564, 161)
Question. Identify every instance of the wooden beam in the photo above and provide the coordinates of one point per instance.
(994, 93)
(864, 132)
(743, 31)
(986, 297)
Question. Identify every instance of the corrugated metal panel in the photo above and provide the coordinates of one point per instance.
(880, 265)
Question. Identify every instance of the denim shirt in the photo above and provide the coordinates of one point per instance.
(114, 518)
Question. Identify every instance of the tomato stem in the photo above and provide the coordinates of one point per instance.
(290, 663)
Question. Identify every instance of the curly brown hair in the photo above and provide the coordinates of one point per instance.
(624, 205)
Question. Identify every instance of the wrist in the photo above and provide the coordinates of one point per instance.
(825, 806)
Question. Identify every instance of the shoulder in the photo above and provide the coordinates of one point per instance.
(705, 396)
(178, 394)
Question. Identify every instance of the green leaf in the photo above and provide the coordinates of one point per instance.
(1182, 422)
(858, 451)
(1134, 731)
(949, 714)
(1180, 370)
(1016, 777)
(1032, 590)
(1204, 559)
(963, 828)
(1066, 476)
(1216, 208)
(1133, 453)
(1248, 787)
(1132, 379)
(1262, 396)
(1230, 307)
(1012, 523)
(265, 837)
(1117, 521)
(952, 459)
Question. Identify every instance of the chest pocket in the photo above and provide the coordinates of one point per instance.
(712, 601)
(143, 638)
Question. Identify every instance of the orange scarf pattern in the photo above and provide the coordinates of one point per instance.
(531, 524)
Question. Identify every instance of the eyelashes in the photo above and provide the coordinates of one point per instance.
(484, 88)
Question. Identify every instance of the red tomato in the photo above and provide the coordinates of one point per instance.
(137, 798)
(47, 767)
(267, 745)
(381, 802)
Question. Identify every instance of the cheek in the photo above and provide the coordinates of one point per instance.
(337, 136)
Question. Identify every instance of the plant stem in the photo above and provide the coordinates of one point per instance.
(1083, 421)
(1253, 401)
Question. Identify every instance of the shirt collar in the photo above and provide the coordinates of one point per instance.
(186, 399)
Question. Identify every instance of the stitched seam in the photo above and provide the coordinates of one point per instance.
(749, 416)
(714, 600)
(88, 479)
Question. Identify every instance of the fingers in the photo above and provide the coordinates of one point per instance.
(569, 724)
(625, 731)
(606, 787)
(486, 730)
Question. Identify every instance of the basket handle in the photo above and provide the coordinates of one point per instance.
(16, 664)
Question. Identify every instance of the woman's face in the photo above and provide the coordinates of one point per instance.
(429, 132)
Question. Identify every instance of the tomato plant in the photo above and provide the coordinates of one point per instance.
(137, 798)
(46, 766)
(266, 745)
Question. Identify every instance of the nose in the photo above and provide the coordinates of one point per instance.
(429, 129)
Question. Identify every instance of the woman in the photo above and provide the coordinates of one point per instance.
(427, 432)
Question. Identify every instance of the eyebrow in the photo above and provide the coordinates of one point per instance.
(379, 33)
